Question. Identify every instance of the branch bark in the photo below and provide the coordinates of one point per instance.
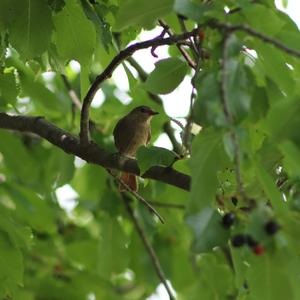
(118, 59)
(241, 27)
(91, 152)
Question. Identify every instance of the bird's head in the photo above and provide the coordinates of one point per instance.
(142, 113)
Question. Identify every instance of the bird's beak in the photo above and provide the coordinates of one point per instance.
(153, 113)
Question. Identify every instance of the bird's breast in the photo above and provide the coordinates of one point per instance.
(137, 139)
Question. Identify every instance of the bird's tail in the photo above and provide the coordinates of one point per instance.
(130, 180)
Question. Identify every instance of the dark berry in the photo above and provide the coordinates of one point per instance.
(272, 227)
(238, 240)
(251, 242)
(259, 250)
(234, 201)
(228, 220)
(182, 17)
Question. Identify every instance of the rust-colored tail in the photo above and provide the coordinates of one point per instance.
(130, 180)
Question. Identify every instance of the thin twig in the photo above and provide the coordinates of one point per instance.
(187, 129)
(177, 148)
(179, 45)
(178, 123)
(184, 29)
(154, 47)
(148, 246)
(228, 115)
(167, 205)
(118, 59)
(137, 196)
(75, 99)
(261, 36)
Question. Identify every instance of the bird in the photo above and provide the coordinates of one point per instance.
(131, 132)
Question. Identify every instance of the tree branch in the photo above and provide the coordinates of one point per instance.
(149, 248)
(167, 205)
(168, 129)
(180, 47)
(137, 196)
(118, 59)
(241, 27)
(91, 153)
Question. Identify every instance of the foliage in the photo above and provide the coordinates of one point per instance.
(245, 160)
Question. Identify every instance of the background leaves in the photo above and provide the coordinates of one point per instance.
(64, 232)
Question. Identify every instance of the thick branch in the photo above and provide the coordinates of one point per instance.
(118, 59)
(148, 247)
(241, 27)
(91, 153)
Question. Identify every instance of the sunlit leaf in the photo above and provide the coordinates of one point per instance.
(75, 35)
(167, 75)
(142, 12)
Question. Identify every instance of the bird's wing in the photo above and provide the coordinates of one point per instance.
(123, 133)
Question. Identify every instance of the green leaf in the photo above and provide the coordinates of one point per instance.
(32, 209)
(6, 14)
(271, 58)
(238, 89)
(31, 18)
(291, 161)
(290, 39)
(259, 104)
(284, 3)
(208, 230)
(17, 158)
(215, 277)
(58, 168)
(268, 278)
(208, 107)
(167, 75)
(11, 271)
(270, 188)
(208, 157)
(141, 12)
(45, 101)
(89, 182)
(113, 255)
(105, 255)
(8, 88)
(83, 252)
(19, 235)
(153, 156)
(283, 121)
(191, 10)
(262, 19)
(75, 34)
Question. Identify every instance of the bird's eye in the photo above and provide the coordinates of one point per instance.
(143, 110)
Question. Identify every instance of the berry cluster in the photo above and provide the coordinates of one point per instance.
(240, 240)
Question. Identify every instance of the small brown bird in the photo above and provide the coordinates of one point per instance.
(131, 132)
